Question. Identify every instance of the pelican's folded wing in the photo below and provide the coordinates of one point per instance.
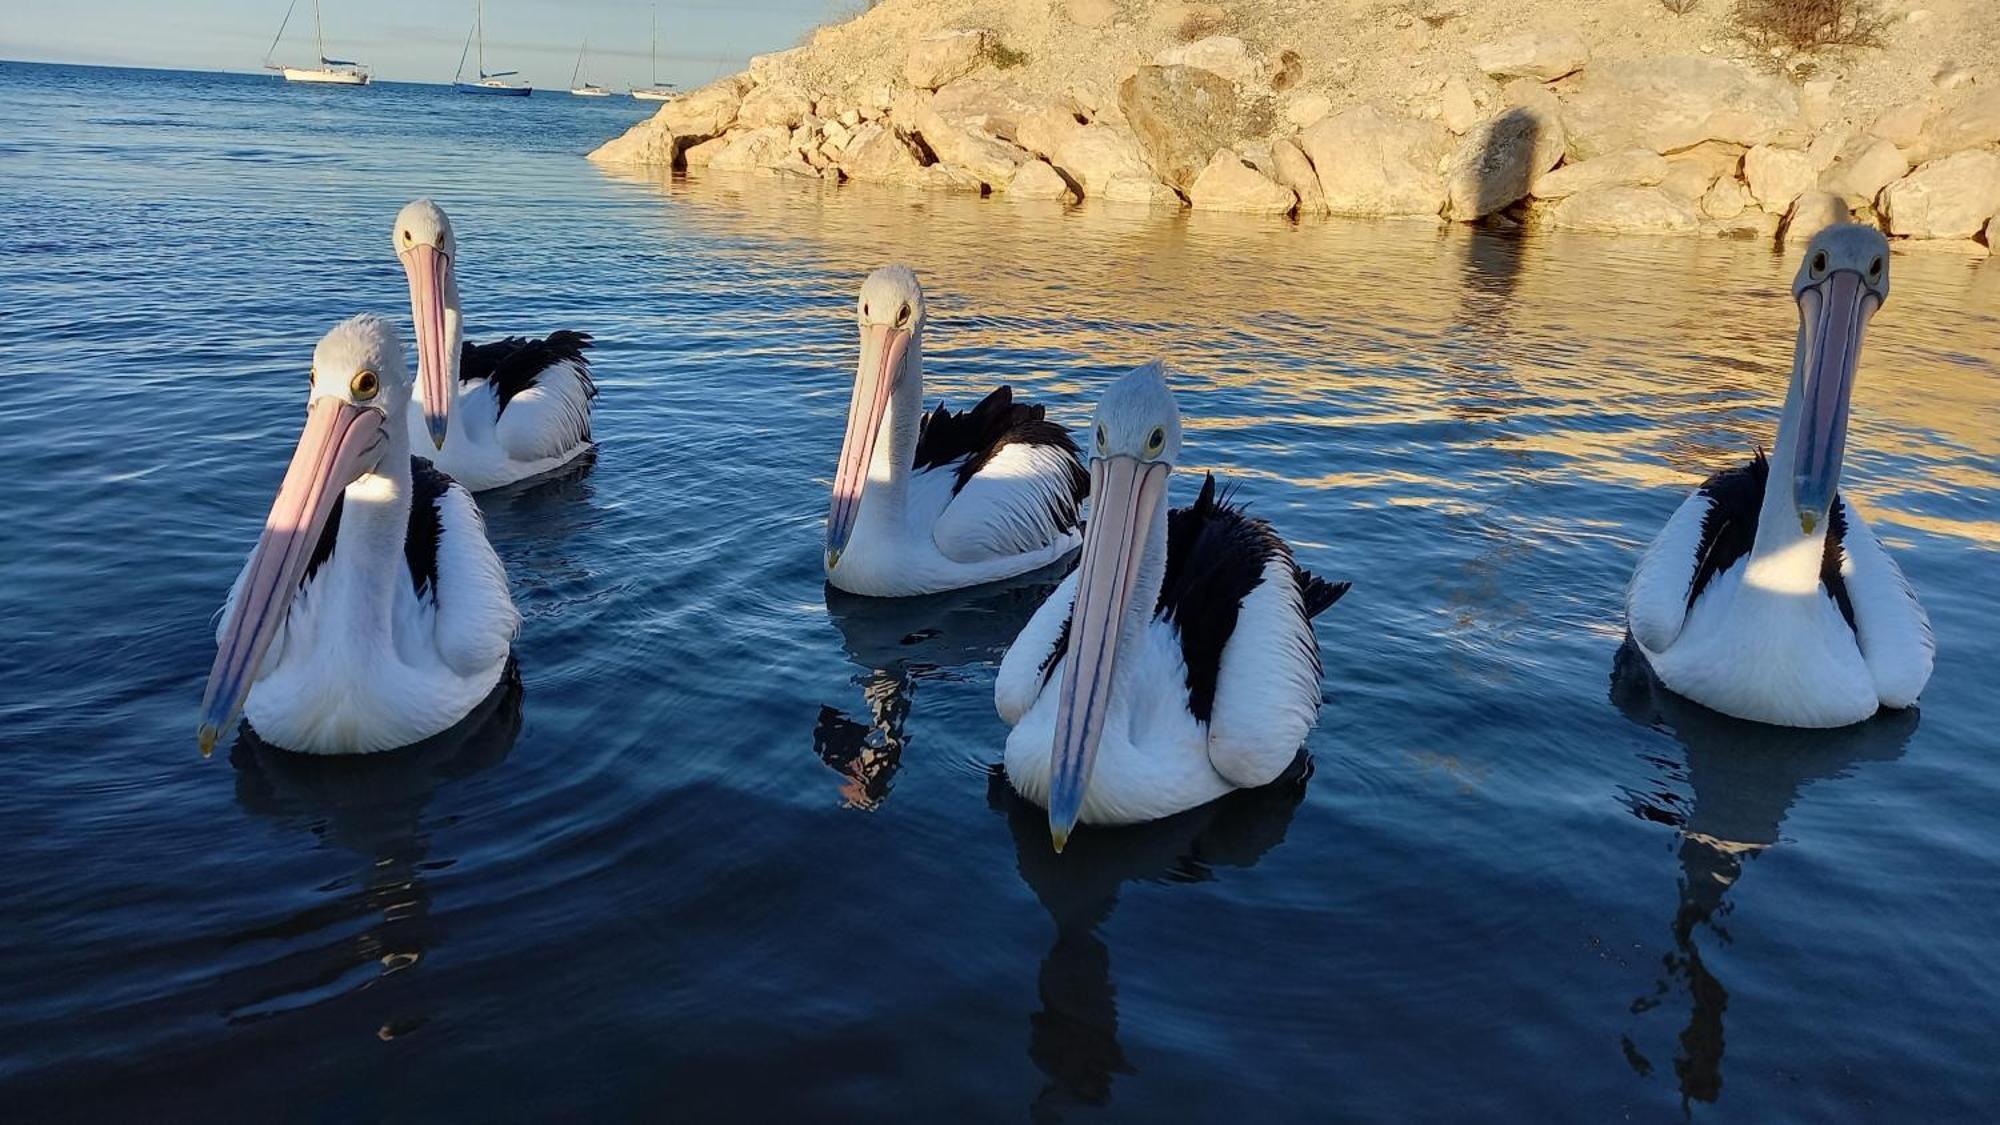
(1890, 626)
(1025, 670)
(453, 565)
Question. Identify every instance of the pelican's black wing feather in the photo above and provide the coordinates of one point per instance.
(513, 364)
(1729, 532)
(973, 438)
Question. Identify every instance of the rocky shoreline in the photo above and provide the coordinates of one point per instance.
(1536, 128)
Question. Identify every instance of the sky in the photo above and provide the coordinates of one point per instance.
(418, 40)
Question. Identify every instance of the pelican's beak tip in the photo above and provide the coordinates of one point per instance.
(208, 736)
(1808, 521)
(1059, 837)
(832, 557)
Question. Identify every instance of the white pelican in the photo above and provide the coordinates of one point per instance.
(1766, 596)
(939, 501)
(373, 612)
(1178, 663)
(495, 413)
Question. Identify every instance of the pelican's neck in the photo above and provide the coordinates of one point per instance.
(1786, 558)
(896, 443)
(368, 562)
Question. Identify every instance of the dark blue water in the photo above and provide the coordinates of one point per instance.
(736, 847)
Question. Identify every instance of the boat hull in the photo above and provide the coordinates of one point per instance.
(325, 77)
(591, 92)
(653, 95)
(492, 91)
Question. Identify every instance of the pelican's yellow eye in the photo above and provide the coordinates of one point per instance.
(1103, 443)
(1875, 270)
(903, 317)
(1819, 263)
(1157, 440)
(312, 374)
(407, 237)
(364, 386)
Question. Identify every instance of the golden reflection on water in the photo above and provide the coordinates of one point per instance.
(1642, 362)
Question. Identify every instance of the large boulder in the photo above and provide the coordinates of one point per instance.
(1038, 180)
(1456, 107)
(755, 148)
(1496, 163)
(1139, 188)
(1042, 131)
(976, 151)
(993, 105)
(699, 156)
(1224, 55)
(648, 143)
(1811, 213)
(879, 154)
(1975, 122)
(1095, 154)
(704, 113)
(1291, 167)
(1725, 199)
(1863, 169)
(774, 105)
(1624, 210)
(1637, 167)
(940, 57)
(1230, 184)
(1776, 176)
(1903, 125)
(1671, 103)
(1373, 163)
(1544, 55)
(1949, 198)
(1181, 115)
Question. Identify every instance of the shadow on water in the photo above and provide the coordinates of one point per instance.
(898, 643)
(1073, 1037)
(372, 805)
(1742, 778)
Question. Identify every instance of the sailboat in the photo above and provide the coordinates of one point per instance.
(329, 72)
(658, 91)
(586, 89)
(490, 82)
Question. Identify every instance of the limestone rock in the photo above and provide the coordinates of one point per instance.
(1139, 188)
(938, 58)
(647, 143)
(1993, 232)
(1455, 105)
(1863, 169)
(1689, 180)
(1635, 210)
(1038, 180)
(1095, 154)
(1496, 163)
(754, 148)
(1225, 55)
(879, 154)
(1044, 130)
(1816, 101)
(774, 105)
(1306, 111)
(1726, 199)
(1181, 115)
(1975, 122)
(1373, 163)
(1636, 167)
(1827, 147)
(973, 150)
(1902, 125)
(1671, 103)
(699, 156)
(994, 105)
(1090, 13)
(1812, 212)
(1293, 168)
(1229, 184)
(704, 113)
(1947, 198)
(1777, 176)
(1546, 55)
(1751, 225)
(944, 177)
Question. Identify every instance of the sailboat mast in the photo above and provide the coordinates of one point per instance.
(479, 28)
(656, 45)
(319, 35)
(579, 63)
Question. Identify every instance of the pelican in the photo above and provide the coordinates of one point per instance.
(1767, 596)
(940, 501)
(1177, 663)
(495, 413)
(373, 612)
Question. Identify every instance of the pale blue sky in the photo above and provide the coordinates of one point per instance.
(417, 40)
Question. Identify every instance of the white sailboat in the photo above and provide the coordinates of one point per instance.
(584, 89)
(490, 83)
(329, 72)
(658, 91)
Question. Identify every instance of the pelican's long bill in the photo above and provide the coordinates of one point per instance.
(1125, 496)
(1833, 316)
(883, 349)
(340, 443)
(429, 268)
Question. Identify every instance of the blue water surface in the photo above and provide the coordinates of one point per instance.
(737, 847)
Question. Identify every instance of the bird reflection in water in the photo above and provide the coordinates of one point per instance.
(899, 643)
(1073, 1038)
(1741, 779)
(372, 805)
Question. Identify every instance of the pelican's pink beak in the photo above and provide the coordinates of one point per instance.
(1125, 496)
(429, 270)
(883, 349)
(1833, 315)
(341, 442)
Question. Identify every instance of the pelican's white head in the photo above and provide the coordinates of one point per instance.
(1135, 441)
(891, 315)
(1842, 281)
(428, 249)
(360, 388)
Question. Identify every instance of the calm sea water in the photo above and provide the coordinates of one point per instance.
(737, 846)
